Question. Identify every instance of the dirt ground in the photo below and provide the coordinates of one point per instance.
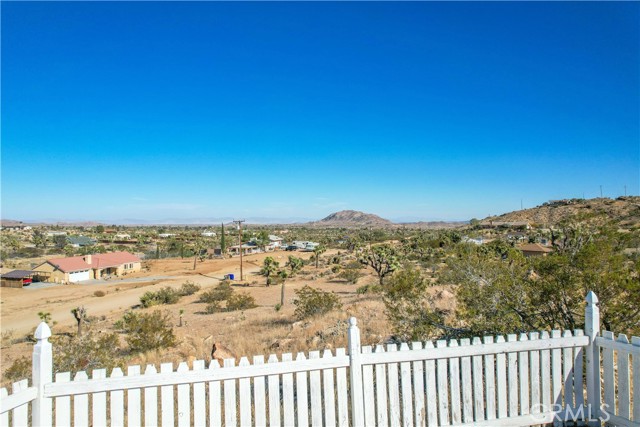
(261, 330)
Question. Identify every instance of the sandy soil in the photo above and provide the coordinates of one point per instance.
(261, 330)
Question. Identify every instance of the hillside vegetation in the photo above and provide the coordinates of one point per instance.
(623, 211)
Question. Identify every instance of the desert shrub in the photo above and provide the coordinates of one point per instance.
(335, 269)
(188, 288)
(165, 295)
(240, 301)
(99, 293)
(147, 331)
(369, 289)
(214, 307)
(91, 351)
(221, 292)
(19, 369)
(311, 302)
(351, 272)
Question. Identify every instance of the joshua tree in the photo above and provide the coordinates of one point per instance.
(80, 313)
(295, 264)
(269, 267)
(317, 251)
(282, 275)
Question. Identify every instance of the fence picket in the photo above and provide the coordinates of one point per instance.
(301, 394)
(20, 414)
(418, 388)
(81, 403)
(534, 365)
(215, 398)
(4, 417)
(556, 375)
(624, 401)
(316, 393)
(63, 403)
(578, 374)
(381, 391)
(478, 381)
(454, 386)
(501, 380)
(368, 389)
(329, 393)
(523, 370)
(274, 394)
(184, 399)
(166, 398)
(341, 386)
(490, 382)
(245, 396)
(133, 400)
(99, 401)
(467, 385)
(116, 410)
(150, 400)
(394, 389)
(288, 408)
(636, 380)
(567, 373)
(443, 387)
(407, 394)
(512, 385)
(230, 414)
(545, 375)
(199, 398)
(259, 401)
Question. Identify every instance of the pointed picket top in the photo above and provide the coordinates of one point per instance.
(353, 322)
(42, 331)
(592, 298)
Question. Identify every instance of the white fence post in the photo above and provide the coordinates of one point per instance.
(355, 374)
(592, 329)
(42, 374)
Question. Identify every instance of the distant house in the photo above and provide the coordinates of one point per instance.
(208, 234)
(166, 235)
(247, 248)
(56, 233)
(122, 236)
(474, 240)
(87, 267)
(534, 249)
(80, 241)
(19, 278)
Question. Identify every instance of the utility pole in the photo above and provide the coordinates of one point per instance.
(239, 222)
(521, 204)
(601, 191)
(625, 190)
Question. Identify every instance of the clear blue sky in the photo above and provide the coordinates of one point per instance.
(416, 110)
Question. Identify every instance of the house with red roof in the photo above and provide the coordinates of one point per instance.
(86, 267)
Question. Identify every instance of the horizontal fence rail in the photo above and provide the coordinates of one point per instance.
(527, 379)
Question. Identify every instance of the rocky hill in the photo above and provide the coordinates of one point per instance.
(625, 211)
(352, 219)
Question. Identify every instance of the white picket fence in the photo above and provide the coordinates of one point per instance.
(531, 379)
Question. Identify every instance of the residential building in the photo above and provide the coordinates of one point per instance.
(87, 267)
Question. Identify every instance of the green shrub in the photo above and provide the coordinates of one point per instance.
(240, 301)
(369, 289)
(335, 269)
(313, 302)
(188, 288)
(222, 292)
(351, 273)
(147, 331)
(214, 307)
(165, 295)
(20, 369)
(99, 293)
(91, 351)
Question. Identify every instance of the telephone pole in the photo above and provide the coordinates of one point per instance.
(239, 222)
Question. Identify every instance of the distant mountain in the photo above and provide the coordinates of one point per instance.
(624, 211)
(352, 219)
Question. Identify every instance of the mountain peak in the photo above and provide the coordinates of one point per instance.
(353, 218)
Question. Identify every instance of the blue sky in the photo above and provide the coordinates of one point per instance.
(416, 110)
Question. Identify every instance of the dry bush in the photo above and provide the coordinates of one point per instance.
(99, 293)
(188, 288)
(222, 292)
(147, 331)
(165, 295)
(311, 302)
